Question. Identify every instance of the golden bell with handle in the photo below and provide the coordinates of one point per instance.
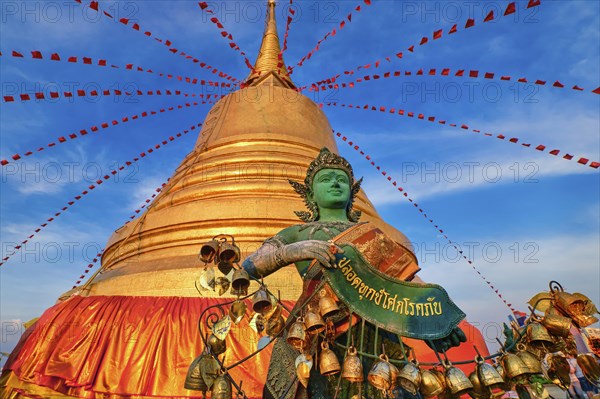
(221, 388)
(589, 367)
(488, 375)
(557, 324)
(296, 336)
(229, 253)
(261, 302)
(394, 372)
(538, 334)
(216, 345)
(313, 321)
(479, 391)
(410, 377)
(240, 281)
(532, 363)
(456, 380)
(193, 379)
(237, 311)
(208, 251)
(352, 369)
(379, 376)
(430, 384)
(327, 305)
(328, 362)
(513, 366)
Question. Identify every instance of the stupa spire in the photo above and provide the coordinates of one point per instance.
(268, 61)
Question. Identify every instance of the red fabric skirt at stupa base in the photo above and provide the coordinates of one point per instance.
(121, 346)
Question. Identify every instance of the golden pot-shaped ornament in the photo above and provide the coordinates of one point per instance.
(409, 377)
(327, 305)
(379, 376)
(296, 336)
(304, 364)
(538, 334)
(221, 388)
(479, 391)
(430, 384)
(328, 362)
(193, 379)
(488, 375)
(237, 311)
(456, 380)
(240, 282)
(352, 369)
(275, 326)
(589, 367)
(557, 324)
(313, 321)
(513, 366)
(216, 345)
(532, 363)
(261, 302)
(208, 251)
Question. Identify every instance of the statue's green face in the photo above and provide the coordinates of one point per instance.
(331, 189)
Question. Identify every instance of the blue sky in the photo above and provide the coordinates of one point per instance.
(529, 217)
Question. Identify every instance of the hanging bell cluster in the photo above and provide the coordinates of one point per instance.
(225, 254)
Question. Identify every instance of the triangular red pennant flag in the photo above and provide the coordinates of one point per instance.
(489, 17)
(510, 9)
(437, 34)
(558, 84)
(597, 91)
(533, 3)
(203, 5)
(368, 2)
(16, 54)
(36, 54)
(452, 30)
(94, 5)
(470, 23)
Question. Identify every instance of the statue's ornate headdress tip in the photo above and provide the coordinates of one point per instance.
(327, 160)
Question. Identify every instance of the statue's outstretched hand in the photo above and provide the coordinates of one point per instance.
(451, 340)
(321, 251)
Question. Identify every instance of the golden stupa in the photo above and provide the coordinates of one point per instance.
(131, 330)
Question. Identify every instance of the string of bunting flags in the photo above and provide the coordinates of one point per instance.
(514, 140)
(88, 268)
(108, 92)
(95, 129)
(329, 34)
(473, 74)
(436, 35)
(204, 7)
(169, 44)
(37, 55)
(288, 22)
(98, 182)
(148, 201)
(422, 212)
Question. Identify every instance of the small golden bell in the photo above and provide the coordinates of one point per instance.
(328, 362)
(352, 369)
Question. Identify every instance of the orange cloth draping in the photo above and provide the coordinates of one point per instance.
(140, 347)
(127, 346)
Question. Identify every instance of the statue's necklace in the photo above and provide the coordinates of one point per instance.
(331, 229)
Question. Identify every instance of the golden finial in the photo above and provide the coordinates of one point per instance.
(268, 60)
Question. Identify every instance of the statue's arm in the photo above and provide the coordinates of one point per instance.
(284, 249)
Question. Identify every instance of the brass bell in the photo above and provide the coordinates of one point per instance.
(313, 322)
(261, 303)
(297, 335)
(410, 377)
(488, 375)
(240, 282)
(229, 253)
(537, 334)
(589, 367)
(221, 388)
(237, 311)
(216, 345)
(513, 366)
(479, 391)
(193, 379)
(394, 372)
(328, 362)
(440, 376)
(208, 251)
(275, 326)
(327, 305)
(532, 363)
(352, 369)
(557, 324)
(379, 376)
(209, 370)
(456, 380)
(304, 364)
(430, 384)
